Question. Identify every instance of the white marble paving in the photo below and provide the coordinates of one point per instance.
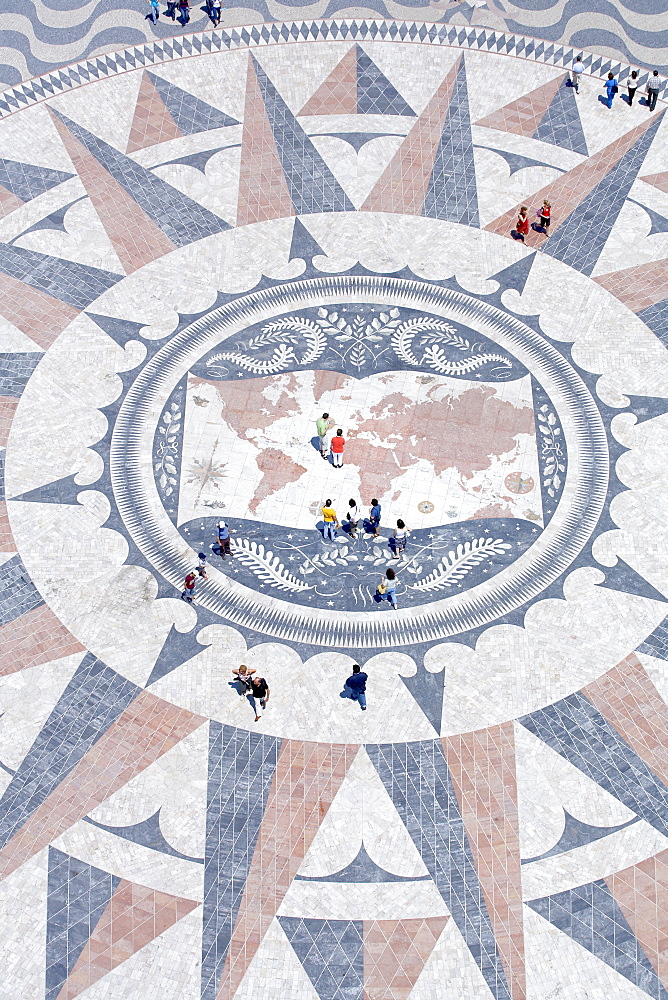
(363, 900)
(450, 973)
(275, 972)
(23, 922)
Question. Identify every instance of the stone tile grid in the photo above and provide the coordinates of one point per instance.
(15, 371)
(49, 84)
(395, 953)
(641, 893)
(18, 594)
(332, 954)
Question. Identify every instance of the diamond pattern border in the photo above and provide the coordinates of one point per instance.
(455, 36)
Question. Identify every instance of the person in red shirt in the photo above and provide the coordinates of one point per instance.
(545, 216)
(522, 224)
(338, 443)
(189, 590)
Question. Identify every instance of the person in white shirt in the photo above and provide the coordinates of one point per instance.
(576, 73)
(352, 517)
(400, 537)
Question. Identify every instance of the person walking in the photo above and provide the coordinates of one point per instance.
(399, 538)
(632, 86)
(544, 218)
(258, 689)
(184, 7)
(387, 588)
(653, 88)
(331, 521)
(189, 587)
(338, 444)
(576, 73)
(374, 518)
(244, 676)
(353, 517)
(322, 425)
(155, 9)
(171, 9)
(201, 565)
(355, 687)
(522, 224)
(611, 88)
(223, 537)
(214, 12)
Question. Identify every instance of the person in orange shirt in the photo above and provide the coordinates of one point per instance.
(337, 446)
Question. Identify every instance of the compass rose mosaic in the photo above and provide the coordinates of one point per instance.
(200, 258)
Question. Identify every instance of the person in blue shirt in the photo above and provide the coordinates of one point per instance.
(223, 532)
(355, 686)
(374, 517)
(611, 88)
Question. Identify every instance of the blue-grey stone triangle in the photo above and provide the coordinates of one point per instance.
(313, 187)
(656, 643)
(516, 274)
(624, 578)
(656, 318)
(189, 112)
(64, 490)
(94, 699)
(15, 370)
(580, 238)
(183, 220)
(331, 952)
(452, 193)
(561, 125)
(591, 916)
(579, 834)
(417, 779)
(120, 330)
(647, 407)
(147, 833)
(241, 768)
(27, 181)
(577, 730)
(76, 284)
(179, 647)
(77, 896)
(375, 93)
(427, 690)
(18, 594)
(303, 245)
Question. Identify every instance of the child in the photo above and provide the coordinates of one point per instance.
(522, 224)
(400, 537)
(189, 587)
(545, 216)
(338, 442)
(243, 675)
(201, 566)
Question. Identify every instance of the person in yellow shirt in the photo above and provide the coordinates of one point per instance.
(331, 521)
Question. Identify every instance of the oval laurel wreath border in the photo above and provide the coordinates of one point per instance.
(158, 539)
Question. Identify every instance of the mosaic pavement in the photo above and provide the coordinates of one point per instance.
(200, 252)
(38, 36)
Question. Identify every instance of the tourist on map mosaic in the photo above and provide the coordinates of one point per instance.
(201, 565)
(522, 225)
(353, 517)
(387, 588)
(259, 689)
(223, 533)
(189, 587)
(653, 88)
(355, 687)
(323, 424)
(576, 73)
(399, 538)
(214, 11)
(338, 443)
(611, 88)
(184, 7)
(632, 85)
(155, 10)
(171, 9)
(244, 676)
(544, 216)
(331, 521)
(373, 523)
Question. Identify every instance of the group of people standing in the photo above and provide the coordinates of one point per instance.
(611, 85)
